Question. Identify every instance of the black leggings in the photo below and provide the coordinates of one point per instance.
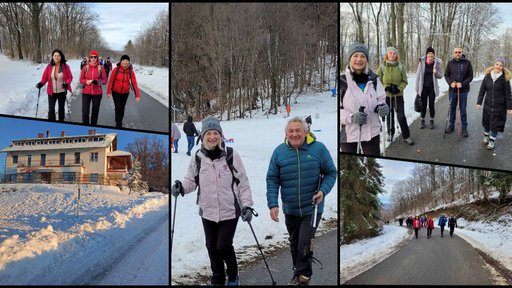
(428, 93)
(397, 104)
(52, 99)
(429, 232)
(416, 232)
(301, 232)
(86, 104)
(371, 147)
(119, 104)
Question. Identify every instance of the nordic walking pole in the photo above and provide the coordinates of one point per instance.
(38, 95)
(359, 147)
(316, 204)
(458, 108)
(178, 184)
(383, 120)
(263, 255)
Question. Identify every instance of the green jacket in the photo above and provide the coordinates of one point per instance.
(392, 75)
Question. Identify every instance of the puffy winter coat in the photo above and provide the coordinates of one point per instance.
(392, 75)
(420, 75)
(119, 81)
(452, 222)
(47, 77)
(430, 223)
(459, 71)
(219, 199)
(442, 221)
(353, 98)
(498, 100)
(295, 172)
(175, 132)
(107, 65)
(416, 223)
(189, 128)
(93, 74)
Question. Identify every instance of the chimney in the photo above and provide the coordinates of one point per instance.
(47, 133)
(89, 132)
(62, 134)
(39, 135)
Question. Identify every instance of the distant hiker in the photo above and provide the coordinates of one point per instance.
(123, 77)
(394, 79)
(108, 66)
(59, 77)
(430, 227)
(416, 224)
(400, 221)
(294, 169)
(83, 63)
(458, 74)
(221, 198)
(422, 220)
(441, 223)
(429, 70)
(452, 223)
(409, 222)
(176, 135)
(362, 102)
(92, 76)
(190, 130)
(101, 61)
(495, 88)
(309, 122)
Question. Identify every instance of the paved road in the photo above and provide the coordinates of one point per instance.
(430, 145)
(281, 267)
(434, 261)
(148, 114)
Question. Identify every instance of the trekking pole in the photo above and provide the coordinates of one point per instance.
(359, 146)
(458, 108)
(174, 213)
(396, 120)
(316, 204)
(383, 120)
(38, 95)
(257, 243)
(447, 116)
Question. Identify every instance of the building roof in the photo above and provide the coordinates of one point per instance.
(119, 153)
(31, 144)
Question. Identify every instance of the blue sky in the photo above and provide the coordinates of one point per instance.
(120, 22)
(15, 128)
(393, 171)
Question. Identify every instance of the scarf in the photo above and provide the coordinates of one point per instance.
(428, 61)
(495, 75)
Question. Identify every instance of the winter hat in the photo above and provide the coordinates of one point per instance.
(430, 49)
(500, 59)
(358, 47)
(392, 49)
(93, 52)
(210, 123)
(124, 57)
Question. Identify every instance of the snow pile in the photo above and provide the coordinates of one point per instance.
(154, 81)
(358, 257)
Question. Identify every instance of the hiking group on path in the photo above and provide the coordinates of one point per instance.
(418, 222)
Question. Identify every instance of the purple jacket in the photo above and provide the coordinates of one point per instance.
(216, 200)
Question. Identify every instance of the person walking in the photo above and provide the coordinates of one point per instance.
(58, 75)
(296, 169)
(452, 223)
(190, 130)
(429, 70)
(220, 205)
(458, 74)
(495, 91)
(416, 224)
(362, 103)
(92, 76)
(430, 227)
(107, 66)
(394, 78)
(83, 63)
(175, 135)
(441, 223)
(119, 87)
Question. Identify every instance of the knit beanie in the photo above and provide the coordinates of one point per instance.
(500, 59)
(392, 49)
(358, 47)
(210, 123)
(430, 49)
(125, 57)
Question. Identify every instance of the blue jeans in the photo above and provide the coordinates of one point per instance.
(453, 108)
(176, 145)
(190, 140)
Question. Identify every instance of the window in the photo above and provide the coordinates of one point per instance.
(62, 159)
(43, 159)
(29, 160)
(93, 178)
(68, 176)
(77, 158)
(13, 178)
(28, 177)
(14, 159)
(94, 157)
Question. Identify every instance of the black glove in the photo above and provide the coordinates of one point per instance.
(394, 89)
(39, 85)
(246, 214)
(359, 118)
(388, 89)
(382, 109)
(65, 86)
(177, 189)
(95, 82)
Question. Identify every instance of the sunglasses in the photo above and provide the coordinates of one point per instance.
(93, 57)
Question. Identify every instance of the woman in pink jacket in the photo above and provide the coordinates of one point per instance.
(59, 77)
(362, 102)
(221, 200)
(92, 76)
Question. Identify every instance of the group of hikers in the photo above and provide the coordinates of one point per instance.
(418, 222)
(300, 169)
(368, 96)
(93, 74)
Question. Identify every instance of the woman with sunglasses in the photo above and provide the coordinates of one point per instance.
(92, 76)
(59, 77)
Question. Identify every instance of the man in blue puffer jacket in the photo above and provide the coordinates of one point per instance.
(295, 167)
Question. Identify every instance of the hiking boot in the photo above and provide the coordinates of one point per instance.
(464, 132)
(431, 124)
(235, 282)
(486, 139)
(490, 145)
(409, 141)
(449, 129)
(422, 124)
(304, 280)
(294, 281)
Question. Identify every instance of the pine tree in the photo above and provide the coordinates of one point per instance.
(502, 182)
(135, 181)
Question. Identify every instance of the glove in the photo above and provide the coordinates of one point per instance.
(394, 89)
(382, 109)
(246, 214)
(360, 118)
(95, 82)
(39, 85)
(177, 189)
(388, 89)
(65, 86)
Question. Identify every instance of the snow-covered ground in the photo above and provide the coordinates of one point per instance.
(19, 78)
(254, 139)
(42, 241)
